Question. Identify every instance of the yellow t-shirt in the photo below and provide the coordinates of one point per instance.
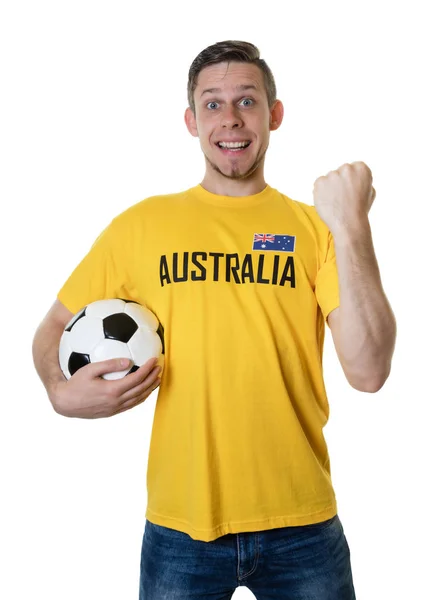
(242, 287)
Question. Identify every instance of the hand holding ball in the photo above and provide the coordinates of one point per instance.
(107, 329)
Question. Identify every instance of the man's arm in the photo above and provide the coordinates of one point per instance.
(363, 326)
(46, 346)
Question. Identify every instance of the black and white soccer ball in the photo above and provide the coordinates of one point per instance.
(113, 328)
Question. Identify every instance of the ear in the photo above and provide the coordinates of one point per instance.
(190, 121)
(276, 115)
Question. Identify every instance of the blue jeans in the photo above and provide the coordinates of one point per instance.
(305, 562)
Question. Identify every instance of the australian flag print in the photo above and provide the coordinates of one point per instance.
(274, 241)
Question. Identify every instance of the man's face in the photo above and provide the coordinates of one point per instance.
(226, 112)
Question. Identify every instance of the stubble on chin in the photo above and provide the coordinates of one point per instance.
(235, 173)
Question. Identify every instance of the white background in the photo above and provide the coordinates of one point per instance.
(92, 121)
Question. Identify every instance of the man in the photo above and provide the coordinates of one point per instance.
(242, 279)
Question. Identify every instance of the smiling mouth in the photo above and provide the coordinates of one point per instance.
(231, 151)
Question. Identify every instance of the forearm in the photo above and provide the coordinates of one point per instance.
(367, 326)
(45, 356)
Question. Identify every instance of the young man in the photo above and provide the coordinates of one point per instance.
(242, 279)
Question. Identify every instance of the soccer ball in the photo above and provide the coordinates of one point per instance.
(107, 329)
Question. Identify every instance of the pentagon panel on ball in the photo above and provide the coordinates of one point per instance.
(113, 328)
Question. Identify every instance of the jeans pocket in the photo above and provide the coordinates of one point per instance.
(322, 524)
(165, 531)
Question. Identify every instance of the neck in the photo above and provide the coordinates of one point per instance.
(216, 183)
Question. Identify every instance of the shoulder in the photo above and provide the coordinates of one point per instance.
(149, 206)
(306, 213)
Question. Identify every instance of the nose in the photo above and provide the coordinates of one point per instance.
(231, 118)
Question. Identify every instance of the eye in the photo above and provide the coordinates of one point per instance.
(244, 100)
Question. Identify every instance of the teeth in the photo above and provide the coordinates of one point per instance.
(233, 144)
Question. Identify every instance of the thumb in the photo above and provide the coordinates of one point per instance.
(110, 366)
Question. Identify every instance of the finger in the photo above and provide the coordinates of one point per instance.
(98, 368)
(123, 385)
(140, 387)
(138, 399)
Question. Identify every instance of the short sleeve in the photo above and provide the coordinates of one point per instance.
(326, 286)
(100, 275)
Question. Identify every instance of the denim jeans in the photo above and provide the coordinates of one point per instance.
(305, 562)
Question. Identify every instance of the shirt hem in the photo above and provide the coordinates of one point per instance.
(208, 535)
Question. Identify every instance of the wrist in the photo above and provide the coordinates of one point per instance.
(343, 234)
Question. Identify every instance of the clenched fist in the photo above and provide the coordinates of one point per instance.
(344, 197)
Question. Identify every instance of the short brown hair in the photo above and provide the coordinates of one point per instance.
(230, 50)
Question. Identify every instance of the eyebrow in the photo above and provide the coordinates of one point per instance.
(239, 88)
